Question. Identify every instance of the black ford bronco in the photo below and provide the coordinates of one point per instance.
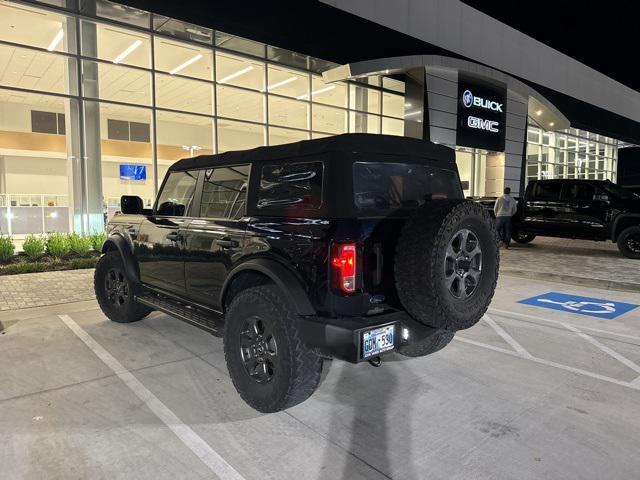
(582, 209)
(349, 247)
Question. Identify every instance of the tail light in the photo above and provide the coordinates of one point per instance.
(344, 266)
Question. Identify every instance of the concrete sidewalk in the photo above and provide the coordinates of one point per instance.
(579, 262)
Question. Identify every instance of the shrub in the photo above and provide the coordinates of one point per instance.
(34, 247)
(80, 263)
(58, 245)
(79, 245)
(7, 249)
(23, 267)
(97, 240)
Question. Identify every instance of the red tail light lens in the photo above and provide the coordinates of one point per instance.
(343, 264)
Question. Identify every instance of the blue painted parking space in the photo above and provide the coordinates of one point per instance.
(593, 307)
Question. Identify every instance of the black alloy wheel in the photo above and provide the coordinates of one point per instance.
(117, 287)
(258, 349)
(463, 264)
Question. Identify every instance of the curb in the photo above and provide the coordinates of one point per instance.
(573, 280)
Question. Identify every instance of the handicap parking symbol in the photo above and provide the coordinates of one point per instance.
(593, 307)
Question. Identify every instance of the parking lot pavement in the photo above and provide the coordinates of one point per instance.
(527, 393)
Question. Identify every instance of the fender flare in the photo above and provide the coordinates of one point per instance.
(117, 241)
(280, 275)
(616, 222)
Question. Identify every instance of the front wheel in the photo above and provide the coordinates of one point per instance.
(114, 291)
(269, 364)
(629, 242)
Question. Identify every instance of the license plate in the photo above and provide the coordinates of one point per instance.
(377, 341)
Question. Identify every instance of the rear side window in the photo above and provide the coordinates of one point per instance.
(579, 191)
(224, 192)
(547, 191)
(385, 186)
(177, 194)
(296, 185)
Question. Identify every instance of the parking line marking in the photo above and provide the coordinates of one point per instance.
(609, 351)
(558, 322)
(506, 337)
(191, 439)
(633, 385)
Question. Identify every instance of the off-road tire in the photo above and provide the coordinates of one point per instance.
(523, 238)
(296, 374)
(420, 264)
(126, 309)
(623, 242)
(428, 345)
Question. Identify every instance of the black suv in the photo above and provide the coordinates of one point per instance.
(349, 247)
(586, 209)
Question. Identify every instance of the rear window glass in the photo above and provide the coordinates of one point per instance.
(391, 186)
(291, 185)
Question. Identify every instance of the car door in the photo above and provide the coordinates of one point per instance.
(588, 207)
(214, 241)
(160, 245)
(543, 207)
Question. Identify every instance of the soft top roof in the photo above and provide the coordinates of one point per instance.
(346, 143)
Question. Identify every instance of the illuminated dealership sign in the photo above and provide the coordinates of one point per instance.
(481, 113)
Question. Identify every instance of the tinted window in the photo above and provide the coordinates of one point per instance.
(117, 129)
(177, 194)
(224, 193)
(390, 186)
(547, 191)
(291, 184)
(140, 132)
(47, 122)
(579, 191)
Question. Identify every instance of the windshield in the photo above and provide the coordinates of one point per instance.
(385, 186)
(620, 192)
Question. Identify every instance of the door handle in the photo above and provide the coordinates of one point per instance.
(174, 237)
(227, 243)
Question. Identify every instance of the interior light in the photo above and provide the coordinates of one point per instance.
(283, 82)
(54, 215)
(236, 74)
(410, 114)
(316, 92)
(407, 105)
(191, 61)
(551, 124)
(56, 41)
(9, 215)
(539, 112)
(128, 51)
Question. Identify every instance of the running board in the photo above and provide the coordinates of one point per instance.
(206, 320)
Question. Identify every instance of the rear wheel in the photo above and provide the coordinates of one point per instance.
(114, 291)
(431, 344)
(446, 266)
(521, 237)
(629, 242)
(270, 366)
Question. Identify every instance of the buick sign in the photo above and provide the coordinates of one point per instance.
(481, 113)
(469, 99)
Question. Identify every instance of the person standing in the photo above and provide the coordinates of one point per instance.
(505, 208)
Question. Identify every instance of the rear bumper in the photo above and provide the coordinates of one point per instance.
(342, 337)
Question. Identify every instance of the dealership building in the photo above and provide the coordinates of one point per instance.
(99, 98)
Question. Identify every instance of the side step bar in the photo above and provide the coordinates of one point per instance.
(199, 317)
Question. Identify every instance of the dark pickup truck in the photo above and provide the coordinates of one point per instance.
(580, 209)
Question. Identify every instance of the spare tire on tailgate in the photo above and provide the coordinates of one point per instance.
(446, 265)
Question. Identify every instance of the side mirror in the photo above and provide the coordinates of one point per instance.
(131, 205)
(170, 209)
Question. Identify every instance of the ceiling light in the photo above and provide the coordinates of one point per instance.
(236, 74)
(539, 112)
(407, 105)
(551, 124)
(128, 51)
(417, 112)
(316, 92)
(283, 82)
(186, 64)
(56, 40)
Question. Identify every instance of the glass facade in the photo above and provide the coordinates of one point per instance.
(93, 89)
(570, 154)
